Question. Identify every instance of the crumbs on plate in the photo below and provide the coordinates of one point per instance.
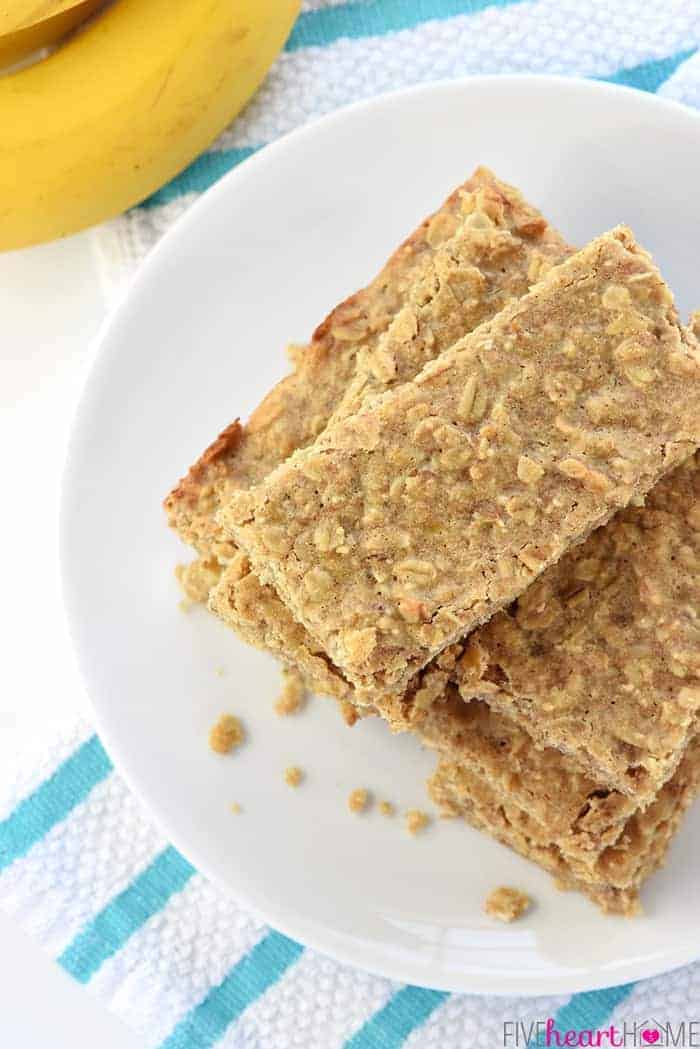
(507, 904)
(293, 775)
(226, 735)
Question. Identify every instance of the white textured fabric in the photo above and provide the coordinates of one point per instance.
(596, 38)
(168, 966)
(684, 84)
(464, 1020)
(670, 999)
(72, 873)
(39, 758)
(340, 1002)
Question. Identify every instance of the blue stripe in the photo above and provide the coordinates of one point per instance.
(125, 914)
(209, 168)
(356, 20)
(589, 1010)
(200, 175)
(53, 800)
(403, 1013)
(649, 76)
(250, 978)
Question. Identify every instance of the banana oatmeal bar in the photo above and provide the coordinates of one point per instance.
(584, 818)
(409, 523)
(600, 658)
(484, 247)
(614, 879)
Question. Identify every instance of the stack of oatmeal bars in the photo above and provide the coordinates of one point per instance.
(474, 509)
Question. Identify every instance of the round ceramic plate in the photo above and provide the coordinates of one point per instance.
(254, 265)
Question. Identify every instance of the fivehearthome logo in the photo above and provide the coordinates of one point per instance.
(649, 1033)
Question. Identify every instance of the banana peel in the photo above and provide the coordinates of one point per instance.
(29, 26)
(124, 105)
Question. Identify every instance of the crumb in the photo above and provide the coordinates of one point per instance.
(235, 808)
(416, 821)
(293, 776)
(292, 698)
(507, 904)
(196, 580)
(359, 800)
(220, 671)
(226, 734)
(386, 808)
(349, 712)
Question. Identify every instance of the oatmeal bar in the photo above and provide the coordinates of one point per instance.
(583, 817)
(601, 656)
(619, 871)
(258, 616)
(409, 523)
(484, 246)
(566, 661)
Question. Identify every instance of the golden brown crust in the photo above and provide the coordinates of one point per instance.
(187, 488)
(191, 505)
(407, 524)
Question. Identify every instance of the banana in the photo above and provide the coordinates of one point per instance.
(124, 105)
(21, 13)
(26, 26)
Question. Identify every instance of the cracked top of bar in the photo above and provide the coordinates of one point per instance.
(409, 523)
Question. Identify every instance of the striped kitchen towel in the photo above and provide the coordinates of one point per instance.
(343, 52)
(86, 873)
(81, 865)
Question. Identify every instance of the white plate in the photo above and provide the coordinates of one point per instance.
(200, 338)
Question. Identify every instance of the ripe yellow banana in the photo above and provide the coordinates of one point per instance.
(27, 26)
(21, 13)
(124, 105)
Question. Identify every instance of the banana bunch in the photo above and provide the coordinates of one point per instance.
(124, 105)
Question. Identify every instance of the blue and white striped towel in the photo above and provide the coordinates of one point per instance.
(86, 873)
(81, 866)
(343, 52)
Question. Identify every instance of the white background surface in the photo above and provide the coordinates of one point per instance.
(51, 306)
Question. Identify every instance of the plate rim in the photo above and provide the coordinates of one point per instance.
(103, 349)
